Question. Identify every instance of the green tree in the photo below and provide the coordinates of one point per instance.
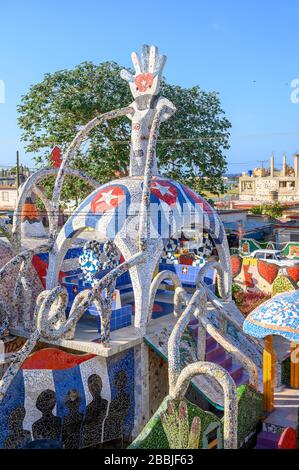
(273, 210)
(257, 210)
(191, 144)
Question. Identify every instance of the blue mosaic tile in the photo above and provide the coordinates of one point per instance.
(277, 316)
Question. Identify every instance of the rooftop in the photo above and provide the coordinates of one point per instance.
(249, 225)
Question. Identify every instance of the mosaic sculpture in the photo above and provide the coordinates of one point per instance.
(97, 257)
(31, 225)
(138, 216)
(177, 420)
(70, 400)
(175, 417)
(277, 316)
(262, 276)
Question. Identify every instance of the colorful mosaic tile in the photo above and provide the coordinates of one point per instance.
(279, 315)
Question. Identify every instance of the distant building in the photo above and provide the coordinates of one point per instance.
(287, 231)
(238, 224)
(271, 185)
(231, 181)
(8, 188)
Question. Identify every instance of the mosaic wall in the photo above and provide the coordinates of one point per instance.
(286, 372)
(158, 380)
(71, 401)
(257, 274)
(283, 284)
(154, 436)
(290, 249)
(9, 345)
(70, 265)
(249, 411)
(158, 385)
(8, 284)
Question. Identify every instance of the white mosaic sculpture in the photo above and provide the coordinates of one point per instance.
(137, 231)
(138, 214)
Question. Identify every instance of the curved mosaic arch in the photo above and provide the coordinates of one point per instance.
(179, 380)
(31, 186)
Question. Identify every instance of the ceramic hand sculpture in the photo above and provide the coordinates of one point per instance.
(145, 88)
(176, 426)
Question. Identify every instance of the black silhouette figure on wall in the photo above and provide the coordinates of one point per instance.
(18, 437)
(71, 428)
(48, 426)
(95, 413)
(118, 410)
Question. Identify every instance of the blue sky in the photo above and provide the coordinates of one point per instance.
(247, 51)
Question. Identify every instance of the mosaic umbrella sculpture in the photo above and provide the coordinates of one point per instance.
(278, 316)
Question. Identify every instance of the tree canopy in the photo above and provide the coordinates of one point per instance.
(191, 144)
(272, 210)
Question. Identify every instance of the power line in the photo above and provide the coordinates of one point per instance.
(229, 163)
(181, 139)
(262, 162)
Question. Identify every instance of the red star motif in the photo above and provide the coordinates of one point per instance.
(164, 191)
(107, 199)
(144, 81)
(56, 157)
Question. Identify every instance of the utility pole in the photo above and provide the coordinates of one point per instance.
(262, 162)
(18, 170)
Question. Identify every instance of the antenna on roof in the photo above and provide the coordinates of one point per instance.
(262, 162)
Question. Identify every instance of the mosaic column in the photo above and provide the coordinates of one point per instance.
(268, 374)
(141, 388)
(294, 365)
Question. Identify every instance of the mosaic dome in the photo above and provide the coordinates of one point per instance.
(277, 316)
(173, 206)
